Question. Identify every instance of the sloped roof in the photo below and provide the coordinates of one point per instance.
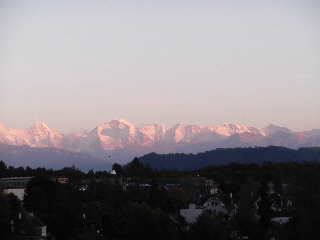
(224, 198)
(25, 226)
(178, 219)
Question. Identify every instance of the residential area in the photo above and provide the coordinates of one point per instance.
(275, 201)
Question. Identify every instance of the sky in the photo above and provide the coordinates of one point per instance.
(78, 64)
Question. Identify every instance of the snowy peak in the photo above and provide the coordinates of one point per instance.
(116, 124)
(38, 127)
(227, 129)
(13, 136)
(42, 131)
(121, 121)
(154, 133)
(41, 135)
(120, 134)
(117, 134)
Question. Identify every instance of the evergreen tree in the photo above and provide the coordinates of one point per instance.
(5, 227)
(135, 169)
(117, 167)
(277, 181)
(14, 202)
(43, 195)
(155, 196)
(246, 213)
(208, 227)
(264, 210)
(3, 169)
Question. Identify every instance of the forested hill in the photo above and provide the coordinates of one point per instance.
(224, 156)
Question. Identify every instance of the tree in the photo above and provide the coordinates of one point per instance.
(246, 213)
(3, 169)
(156, 196)
(90, 173)
(176, 199)
(148, 171)
(264, 206)
(208, 227)
(189, 186)
(144, 223)
(306, 222)
(117, 167)
(277, 181)
(14, 202)
(42, 195)
(135, 169)
(5, 227)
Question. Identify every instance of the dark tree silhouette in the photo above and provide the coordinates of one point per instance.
(264, 210)
(42, 195)
(117, 167)
(5, 227)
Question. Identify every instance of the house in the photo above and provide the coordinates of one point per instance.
(180, 222)
(26, 225)
(201, 185)
(218, 203)
(192, 213)
(282, 207)
(209, 184)
(61, 180)
(181, 226)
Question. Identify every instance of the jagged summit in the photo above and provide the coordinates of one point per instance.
(119, 134)
(122, 120)
(40, 127)
(116, 122)
(39, 124)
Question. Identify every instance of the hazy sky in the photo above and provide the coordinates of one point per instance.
(77, 64)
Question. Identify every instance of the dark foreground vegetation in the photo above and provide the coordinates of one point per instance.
(133, 213)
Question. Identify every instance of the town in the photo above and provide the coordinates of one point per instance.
(235, 201)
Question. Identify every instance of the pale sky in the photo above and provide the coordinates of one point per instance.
(77, 64)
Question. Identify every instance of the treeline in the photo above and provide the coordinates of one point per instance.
(229, 176)
(224, 156)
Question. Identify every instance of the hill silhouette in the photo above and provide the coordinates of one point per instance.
(224, 156)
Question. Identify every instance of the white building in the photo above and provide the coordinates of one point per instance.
(218, 203)
(15, 185)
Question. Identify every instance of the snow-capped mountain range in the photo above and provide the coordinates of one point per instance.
(124, 140)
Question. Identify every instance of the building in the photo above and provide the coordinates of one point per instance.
(15, 185)
(218, 203)
(28, 226)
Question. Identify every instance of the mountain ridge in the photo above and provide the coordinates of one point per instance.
(123, 140)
